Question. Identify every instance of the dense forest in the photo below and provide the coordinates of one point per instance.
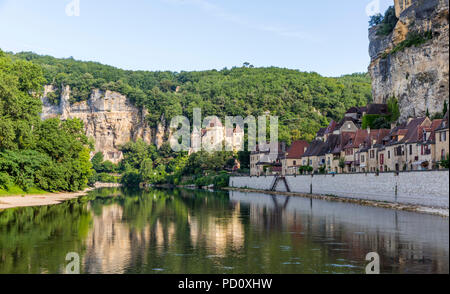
(36, 155)
(54, 156)
(303, 101)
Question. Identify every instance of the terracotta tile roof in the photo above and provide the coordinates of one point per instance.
(435, 124)
(345, 119)
(413, 134)
(444, 123)
(378, 135)
(343, 140)
(297, 149)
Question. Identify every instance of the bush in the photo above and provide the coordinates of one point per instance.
(445, 163)
(5, 181)
(106, 178)
(131, 178)
(387, 23)
(305, 169)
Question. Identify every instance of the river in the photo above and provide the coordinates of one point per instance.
(185, 231)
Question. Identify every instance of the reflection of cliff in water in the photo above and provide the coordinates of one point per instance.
(129, 231)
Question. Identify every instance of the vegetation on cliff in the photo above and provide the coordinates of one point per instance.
(412, 39)
(51, 155)
(377, 121)
(304, 101)
(386, 23)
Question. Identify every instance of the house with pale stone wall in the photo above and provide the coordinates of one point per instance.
(442, 140)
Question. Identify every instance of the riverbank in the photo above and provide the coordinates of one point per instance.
(443, 212)
(48, 198)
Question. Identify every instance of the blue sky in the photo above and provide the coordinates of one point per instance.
(327, 36)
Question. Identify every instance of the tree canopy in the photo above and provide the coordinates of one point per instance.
(304, 101)
(52, 155)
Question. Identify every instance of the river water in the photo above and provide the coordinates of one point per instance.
(184, 231)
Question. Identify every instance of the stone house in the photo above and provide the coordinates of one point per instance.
(267, 162)
(334, 155)
(314, 156)
(416, 155)
(375, 142)
(442, 140)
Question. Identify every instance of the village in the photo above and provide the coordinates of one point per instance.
(345, 147)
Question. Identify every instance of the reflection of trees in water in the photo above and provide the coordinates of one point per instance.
(31, 238)
(185, 231)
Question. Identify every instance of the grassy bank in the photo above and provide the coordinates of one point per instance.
(15, 190)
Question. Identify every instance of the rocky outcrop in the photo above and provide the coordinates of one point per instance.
(417, 75)
(109, 118)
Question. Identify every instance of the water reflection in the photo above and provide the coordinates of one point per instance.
(181, 231)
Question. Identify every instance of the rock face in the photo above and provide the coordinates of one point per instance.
(417, 76)
(109, 118)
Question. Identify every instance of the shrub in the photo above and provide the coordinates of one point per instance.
(387, 23)
(5, 181)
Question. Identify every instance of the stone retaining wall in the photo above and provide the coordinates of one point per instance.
(428, 188)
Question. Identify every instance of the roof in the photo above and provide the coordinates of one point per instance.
(376, 136)
(361, 137)
(296, 150)
(332, 143)
(444, 123)
(281, 148)
(331, 127)
(316, 148)
(377, 109)
(353, 109)
(343, 140)
(321, 132)
(434, 126)
(413, 134)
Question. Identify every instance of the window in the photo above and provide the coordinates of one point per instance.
(389, 154)
(372, 153)
(295, 163)
(443, 154)
(362, 158)
(410, 149)
(381, 158)
(443, 136)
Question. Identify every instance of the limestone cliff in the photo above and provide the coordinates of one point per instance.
(109, 118)
(417, 75)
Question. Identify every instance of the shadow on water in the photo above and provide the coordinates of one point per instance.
(186, 231)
